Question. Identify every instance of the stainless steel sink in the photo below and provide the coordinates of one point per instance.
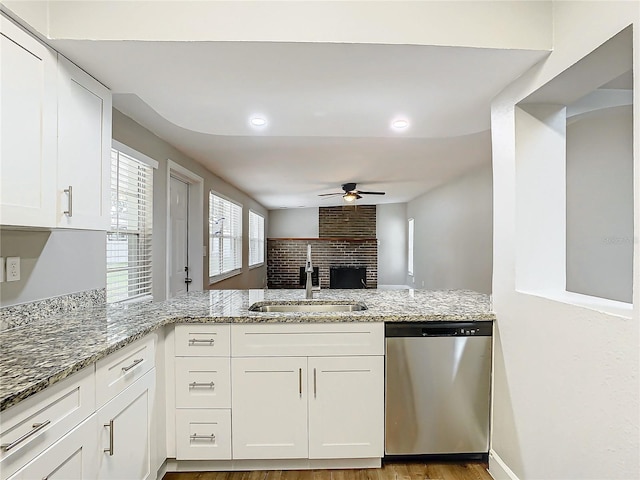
(307, 307)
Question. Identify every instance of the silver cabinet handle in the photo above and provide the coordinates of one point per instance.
(69, 192)
(110, 449)
(135, 362)
(36, 427)
(194, 341)
(202, 384)
(211, 437)
(300, 381)
(315, 390)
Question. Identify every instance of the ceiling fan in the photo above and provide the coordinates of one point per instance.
(350, 193)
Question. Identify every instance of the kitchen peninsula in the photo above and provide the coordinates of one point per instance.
(121, 340)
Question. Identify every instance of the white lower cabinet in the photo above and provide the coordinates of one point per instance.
(269, 407)
(327, 404)
(73, 457)
(124, 424)
(346, 407)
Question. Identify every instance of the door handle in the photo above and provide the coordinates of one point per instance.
(69, 192)
(315, 390)
(188, 280)
(110, 449)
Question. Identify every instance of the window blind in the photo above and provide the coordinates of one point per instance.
(130, 234)
(410, 247)
(256, 238)
(225, 236)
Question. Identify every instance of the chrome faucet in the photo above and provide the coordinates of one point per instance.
(309, 271)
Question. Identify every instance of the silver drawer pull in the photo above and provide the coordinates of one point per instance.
(195, 341)
(36, 427)
(211, 437)
(135, 362)
(202, 384)
(110, 449)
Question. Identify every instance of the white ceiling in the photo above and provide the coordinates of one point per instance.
(329, 108)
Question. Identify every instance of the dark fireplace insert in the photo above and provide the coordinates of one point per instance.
(348, 277)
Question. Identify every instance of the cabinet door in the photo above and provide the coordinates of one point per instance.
(84, 149)
(27, 129)
(73, 457)
(124, 424)
(269, 407)
(346, 407)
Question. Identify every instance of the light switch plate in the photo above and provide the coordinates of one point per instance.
(13, 269)
(2, 269)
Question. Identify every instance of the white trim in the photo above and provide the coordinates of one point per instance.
(134, 153)
(196, 227)
(228, 199)
(224, 276)
(284, 464)
(498, 469)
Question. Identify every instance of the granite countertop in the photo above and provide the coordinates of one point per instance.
(39, 354)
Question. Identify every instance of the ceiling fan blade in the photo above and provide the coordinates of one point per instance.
(329, 194)
(371, 193)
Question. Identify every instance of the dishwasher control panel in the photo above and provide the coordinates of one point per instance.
(439, 329)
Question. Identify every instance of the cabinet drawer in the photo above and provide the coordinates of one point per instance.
(121, 369)
(320, 339)
(203, 434)
(44, 418)
(202, 340)
(70, 458)
(203, 382)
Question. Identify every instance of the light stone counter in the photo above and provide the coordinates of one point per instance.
(42, 352)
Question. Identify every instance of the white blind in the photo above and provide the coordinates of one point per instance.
(225, 236)
(410, 248)
(129, 236)
(256, 238)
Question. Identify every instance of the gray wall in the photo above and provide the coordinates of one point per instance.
(134, 135)
(600, 204)
(453, 234)
(294, 223)
(391, 231)
(53, 263)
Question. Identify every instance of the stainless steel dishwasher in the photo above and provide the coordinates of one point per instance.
(437, 389)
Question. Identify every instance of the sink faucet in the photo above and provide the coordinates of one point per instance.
(309, 271)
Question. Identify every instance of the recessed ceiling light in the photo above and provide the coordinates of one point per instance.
(400, 124)
(258, 121)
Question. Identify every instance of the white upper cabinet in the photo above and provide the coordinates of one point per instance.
(55, 138)
(27, 129)
(84, 149)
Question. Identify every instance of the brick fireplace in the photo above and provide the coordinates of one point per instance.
(347, 238)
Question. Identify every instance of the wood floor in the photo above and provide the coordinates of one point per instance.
(392, 471)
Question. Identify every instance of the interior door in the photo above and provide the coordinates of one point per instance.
(178, 237)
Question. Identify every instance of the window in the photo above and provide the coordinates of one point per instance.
(256, 239)
(129, 236)
(225, 236)
(410, 248)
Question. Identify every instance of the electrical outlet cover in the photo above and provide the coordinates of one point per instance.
(13, 269)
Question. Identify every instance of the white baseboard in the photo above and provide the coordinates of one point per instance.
(498, 469)
(162, 471)
(173, 465)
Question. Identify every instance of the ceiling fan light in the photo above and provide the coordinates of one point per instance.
(350, 196)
